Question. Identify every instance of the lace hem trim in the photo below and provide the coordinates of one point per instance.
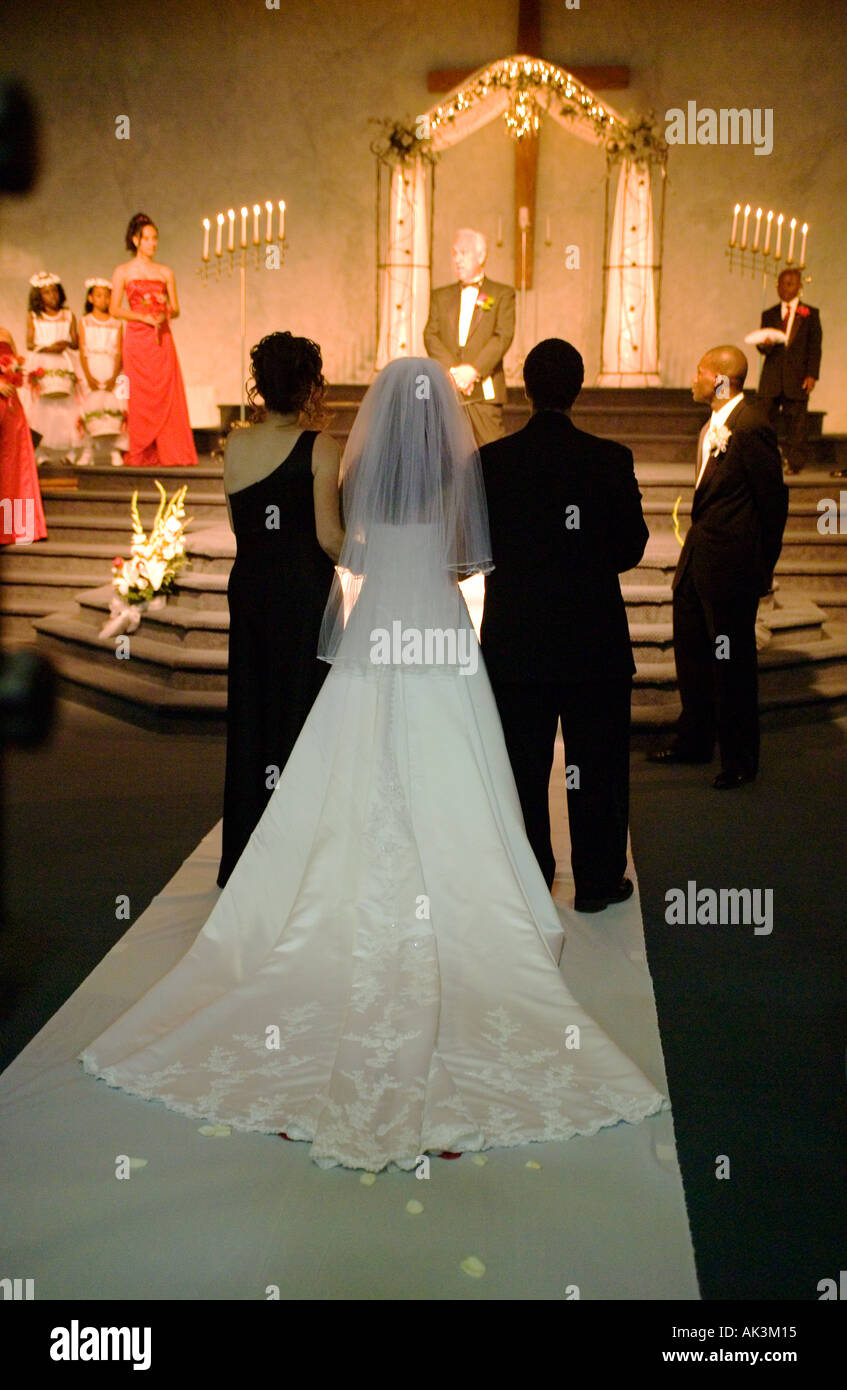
(455, 1140)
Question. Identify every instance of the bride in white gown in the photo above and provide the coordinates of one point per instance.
(380, 976)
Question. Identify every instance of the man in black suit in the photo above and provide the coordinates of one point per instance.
(565, 517)
(737, 519)
(790, 371)
(470, 328)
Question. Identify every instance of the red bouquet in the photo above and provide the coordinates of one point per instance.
(12, 371)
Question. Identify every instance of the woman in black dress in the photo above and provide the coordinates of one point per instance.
(281, 483)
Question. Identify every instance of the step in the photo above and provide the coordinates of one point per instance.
(60, 557)
(174, 666)
(202, 589)
(206, 477)
(187, 627)
(47, 587)
(129, 690)
(115, 530)
(63, 502)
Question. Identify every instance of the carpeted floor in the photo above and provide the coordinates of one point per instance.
(752, 1025)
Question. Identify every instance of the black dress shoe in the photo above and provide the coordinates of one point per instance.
(623, 891)
(728, 781)
(665, 756)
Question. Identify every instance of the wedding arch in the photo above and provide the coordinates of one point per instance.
(523, 90)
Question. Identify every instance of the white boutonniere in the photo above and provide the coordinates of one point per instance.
(718, 438)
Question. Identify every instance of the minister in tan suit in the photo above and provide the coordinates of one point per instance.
(470, 328)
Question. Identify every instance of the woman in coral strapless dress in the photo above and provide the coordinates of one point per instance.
(158, 426)
(21, 512)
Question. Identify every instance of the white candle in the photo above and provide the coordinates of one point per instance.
(744, 227)
(805, 230)
(499, 231)
(219, 237)
(758, 229)
(243, 226)
(256, 211)
(230, 241)
(269, 229)
(734, 232)
(768, 232)
(549, 237)
(793, 225)
(206, 225)
(281, 233)
(778, 249)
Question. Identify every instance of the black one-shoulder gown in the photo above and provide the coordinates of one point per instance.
(278, 588)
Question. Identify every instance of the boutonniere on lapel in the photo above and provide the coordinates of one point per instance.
(484, 301)
(801, 311)
(718, 438)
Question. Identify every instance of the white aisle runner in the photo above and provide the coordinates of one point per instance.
(227, 1216)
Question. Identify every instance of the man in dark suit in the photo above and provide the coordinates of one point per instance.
(790, 371)
(470, 328)
(737, 519)
(565, 517)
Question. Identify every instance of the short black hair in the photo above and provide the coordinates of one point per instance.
(553, 374)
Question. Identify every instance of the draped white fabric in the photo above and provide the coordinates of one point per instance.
(629, 328)
(629, 331)
(404, 279)
(380, 974)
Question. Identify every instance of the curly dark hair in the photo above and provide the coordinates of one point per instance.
(287, 373)
(35, 303)
(135, 227)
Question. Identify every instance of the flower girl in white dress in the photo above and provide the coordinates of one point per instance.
(102, 413)
(380, 976)
(52, 370)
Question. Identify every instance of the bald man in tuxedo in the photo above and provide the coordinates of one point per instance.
(738, 516)
(469, 331)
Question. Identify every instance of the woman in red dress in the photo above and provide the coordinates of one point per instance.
(159, 431)
(21, 512)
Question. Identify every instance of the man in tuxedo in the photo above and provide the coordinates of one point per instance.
(790, 371)
(565, 515)
(470, 328)
(737, 519)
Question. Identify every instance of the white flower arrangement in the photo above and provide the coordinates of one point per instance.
(145, 580)
(718, 438)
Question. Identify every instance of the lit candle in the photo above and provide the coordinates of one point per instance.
(243, 226)
(499, 231)
(805, 230)
(206, 226)
(269, 229)
(778, 250)
(256, 211)
(768, 232)
(758, 229)
(744, 227)
(219, 238)
(793, 225)
(230, 241)
(734, 231)
(281, 233)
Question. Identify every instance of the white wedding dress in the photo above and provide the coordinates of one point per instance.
(380, 975)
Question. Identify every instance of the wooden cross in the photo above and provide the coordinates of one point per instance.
(604, 79)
